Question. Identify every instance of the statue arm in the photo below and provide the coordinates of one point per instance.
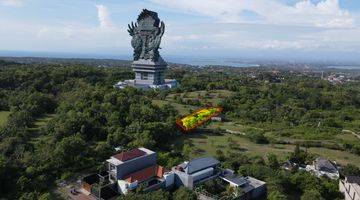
(155, 43)
(132, 28)
(161, 29)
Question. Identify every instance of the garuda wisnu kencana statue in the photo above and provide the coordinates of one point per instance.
(146, 35)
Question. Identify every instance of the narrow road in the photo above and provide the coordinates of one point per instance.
(352, 132)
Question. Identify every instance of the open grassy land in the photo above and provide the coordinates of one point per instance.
(38, 125)
(3, 117)
(206, 144)
(214, 97)
(347, 136)
(182, 109)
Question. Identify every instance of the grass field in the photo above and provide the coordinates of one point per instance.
(3, 117)
(38, 124)
(182, 109)
(207, 144)
(214, 96)
(347, 137)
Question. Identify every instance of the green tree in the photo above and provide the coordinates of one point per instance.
(46, 196)
(276, 195)
(311, 195)
(70, 152)
(156, 195)
(273, 161)
(184, 193)
(350, 170)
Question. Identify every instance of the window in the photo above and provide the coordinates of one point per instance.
(112, 167)
(144, 76)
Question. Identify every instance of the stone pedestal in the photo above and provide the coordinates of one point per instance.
(148, 75)
(149, 72)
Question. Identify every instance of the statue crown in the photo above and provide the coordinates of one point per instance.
(149, 15)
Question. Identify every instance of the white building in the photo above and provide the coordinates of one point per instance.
(350, 187)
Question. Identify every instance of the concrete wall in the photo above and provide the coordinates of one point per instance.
(202, 174)
(348, 190)
(155, 187)
(183, 179)
(257, 192)
(169, 179)
(135, 164)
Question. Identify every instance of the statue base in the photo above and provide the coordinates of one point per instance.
(168, 84)
(149, 72)
(148, 75)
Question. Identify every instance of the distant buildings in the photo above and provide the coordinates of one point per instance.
(126, 171)
(323, 167)
(350, 187)
(338, 78)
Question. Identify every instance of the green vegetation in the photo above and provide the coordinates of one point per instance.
(207, 143)
(64, 120)
(3, 117)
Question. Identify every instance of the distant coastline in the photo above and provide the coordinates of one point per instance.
(194, 61)
(203, 62)
(344, 67)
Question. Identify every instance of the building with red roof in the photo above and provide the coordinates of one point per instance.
(128, 155)
(137, 166)
(155, 171)
(128, 169)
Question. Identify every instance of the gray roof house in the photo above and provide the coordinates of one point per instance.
(323, 164)
(252, 188)
(323, 167)
(191, 173)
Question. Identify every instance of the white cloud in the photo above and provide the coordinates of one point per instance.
(305, 26)
(104, 17)
(238, 37)
(326, 13)
(15, 3)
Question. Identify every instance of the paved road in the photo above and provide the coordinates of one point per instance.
(352, 132)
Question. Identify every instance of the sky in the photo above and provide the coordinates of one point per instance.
(247, 29)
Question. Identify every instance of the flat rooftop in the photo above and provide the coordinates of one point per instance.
(252, 184)
(230, 177)
(198, 164)
(122, 157)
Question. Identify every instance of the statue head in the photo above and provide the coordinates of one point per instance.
(148, 18)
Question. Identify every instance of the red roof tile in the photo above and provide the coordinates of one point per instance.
(145, 174)
(134, 153)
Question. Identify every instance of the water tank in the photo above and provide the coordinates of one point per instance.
(169, 178)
